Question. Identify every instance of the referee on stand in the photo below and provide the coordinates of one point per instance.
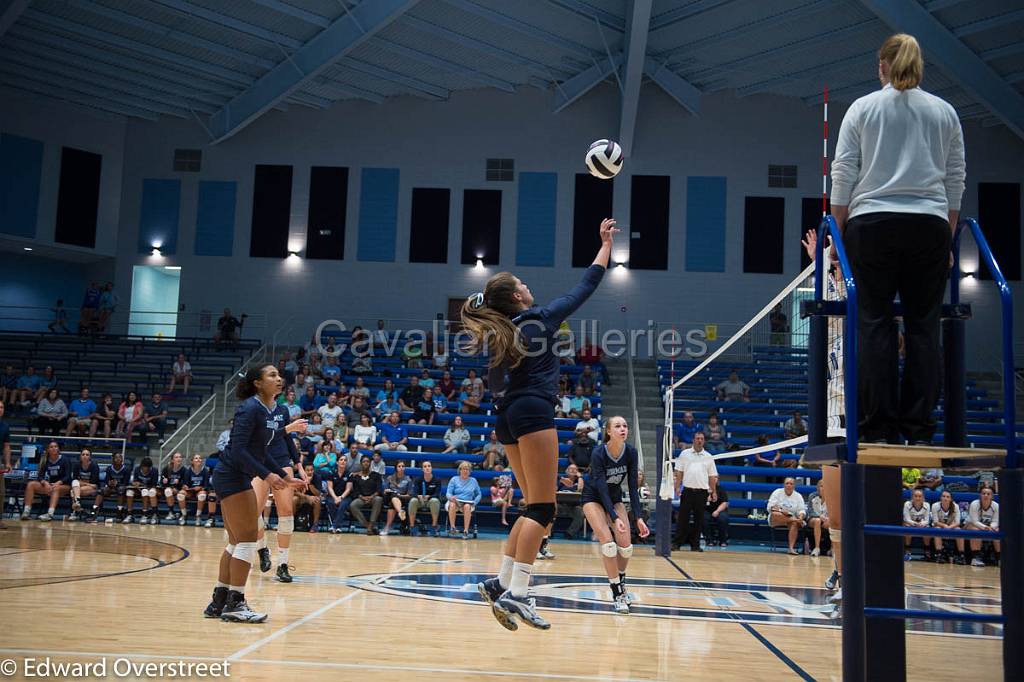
(897, 180)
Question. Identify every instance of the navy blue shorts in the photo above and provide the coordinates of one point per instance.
(227, 482)
(523, 416)
(283, 462)
(591, 494)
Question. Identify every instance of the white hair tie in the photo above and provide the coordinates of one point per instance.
(476, 301)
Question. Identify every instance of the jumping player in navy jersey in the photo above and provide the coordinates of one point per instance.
(284, 454)
(172, 478)
(521, 340)
(143, 484)
(196, 482)
(245, 457)
(51, 479)
(84, 479)
(613, 464)
(114, 482)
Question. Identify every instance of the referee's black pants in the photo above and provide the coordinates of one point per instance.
(691, 501)
(905, 254)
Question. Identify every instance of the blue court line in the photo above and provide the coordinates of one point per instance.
(757, 635)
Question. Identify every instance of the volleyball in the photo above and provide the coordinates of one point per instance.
(604, 159)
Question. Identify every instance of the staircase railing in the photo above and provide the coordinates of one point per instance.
(638, 440)
(182, 438)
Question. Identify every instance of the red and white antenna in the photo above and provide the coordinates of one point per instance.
(824, 159)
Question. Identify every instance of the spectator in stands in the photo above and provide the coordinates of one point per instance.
(27, 387)
(501, 492)
(338, 438)
(359, 390)
(331, 412)
(228, 328)
(983, 514)
(456, 438)
(696, 477)
(377, 464)
(311, 402)
(411, 395)
(309, 498)
(398, 490)
(716, 518)
(326, 457)
(290, 365)
(587, 380)
(51, 414)
(8, 385)
(714, 435)
(565, 386)
(60, 318)
(131, 416)
(51, 479)
(589, 424)
(425, 380)
(380, 335)
(156, 416)
(589, 353)
(463, 495)
(331, 371)
(946, 514)
(795, 426)
(472, 394)
(768, 458)
(393, 435)
(88, 316)
(81, 413)
(181, 370)
(5, 461)
(338, 487)
(786, 507)
(581, 446)
(449, 389)
(916, 515)
(47, 381)
(105, 416)
(817, 518)
(733, 389)
(571, 482)
(362, 357)
(386, 407)
(440, 356)
(426, 494)
(290, 404)
(779, 325)
(931, 479)
(577, 403)
(108, 305)
(364, 436)
(367, 486)
(423, 410)
(387, 393)
(911, 475)
(683, 432)
(288, 377)
(412, 353)
(493, 452)
(440, 402)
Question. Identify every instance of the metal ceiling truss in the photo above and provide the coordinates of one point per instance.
(62, 94)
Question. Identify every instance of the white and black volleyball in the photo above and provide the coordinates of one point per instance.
(604, 159)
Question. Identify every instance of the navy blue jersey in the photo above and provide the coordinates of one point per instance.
(282, 447)
(54, 472)
(431, 488)
(607, 473)
(173, 478)
(251, 435)
(197, 480)
(338, 481)
(537, 373)
(80, 473)
(147, 479)
(120, 477)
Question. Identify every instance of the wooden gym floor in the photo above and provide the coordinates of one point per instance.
(372, 608)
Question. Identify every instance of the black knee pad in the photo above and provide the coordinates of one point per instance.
(542, 513)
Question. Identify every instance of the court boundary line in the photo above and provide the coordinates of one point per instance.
(789, 662)
(244, 651)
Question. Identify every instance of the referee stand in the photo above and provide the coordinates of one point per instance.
(872, 582)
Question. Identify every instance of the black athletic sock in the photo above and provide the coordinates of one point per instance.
(234, 598)
(616, 589)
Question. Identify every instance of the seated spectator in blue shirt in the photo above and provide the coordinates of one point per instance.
(388, 393)
(425, 380)
(331, 372)
(47, 381)
(326, 459)
(80, 413)
(27, 387)
(440, 402)
(311, 402)
(8, 385)
(156, 415)
(386, 407)
(463, 495)
(393, 434)
(683, 432)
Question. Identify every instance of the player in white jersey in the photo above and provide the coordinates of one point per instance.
(983, 514)
(946, 514)
(916, 515)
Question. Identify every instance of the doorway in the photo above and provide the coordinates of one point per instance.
(154, 309)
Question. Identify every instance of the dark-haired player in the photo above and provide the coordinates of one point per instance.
(51, 479)
(114, 482)
(143, 484)
(84, 479)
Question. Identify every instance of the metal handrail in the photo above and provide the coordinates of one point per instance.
(286, 327)
(258, 355)
(183, 434)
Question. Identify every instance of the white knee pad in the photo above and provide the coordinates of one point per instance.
(230, 549)
(168, 492)
(285, 525)
(261, 523)
(75, 485)
(181, 497)
(836, 534)
(152, 492)
(130, 493)
(626, 552)
(201, 497)
(244, 551)
(609, 549)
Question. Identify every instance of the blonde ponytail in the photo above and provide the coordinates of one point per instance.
(487, 317)
(906, 65)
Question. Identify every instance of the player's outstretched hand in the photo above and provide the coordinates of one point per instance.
(608, 230)
(299, 425)
(641, 528)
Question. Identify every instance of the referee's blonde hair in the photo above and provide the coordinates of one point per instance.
(903, 55)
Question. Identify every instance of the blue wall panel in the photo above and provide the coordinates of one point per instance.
(158, 215)
(705, 224)
(21, 171)
(378, 214)
(535, 231)
(215, 218)
(26, 297)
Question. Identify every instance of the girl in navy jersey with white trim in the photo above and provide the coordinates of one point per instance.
(114, 483)
(51, 479)
(613, 463)
(245, 457)
(521, 339)
(284, 454)
(173, 480)
(196, 482)
(84, 479)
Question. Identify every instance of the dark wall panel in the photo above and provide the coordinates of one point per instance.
(428, 225)
(328, 202)
(271, 211)
(78, 199)
(810, 218)
(999, 217)
(764, 223)
(592, 204)
(481, 226)
(648, 217)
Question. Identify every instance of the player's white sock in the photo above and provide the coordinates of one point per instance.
(505, 574)
(52, 510)
(282, 555)
(261, 543)
(520, 583)
(220, 584)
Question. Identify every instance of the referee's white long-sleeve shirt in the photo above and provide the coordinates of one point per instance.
(899, 151)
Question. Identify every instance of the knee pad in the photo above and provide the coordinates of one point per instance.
(626, 552)
(542, 513)
(201, 497)
(835, 534)
(181, 497)
(75, 485)
(261, 523)
(609, 549)
(152, 493)
(244, 551)
(285, 525)
(168, 492)
(130, 493)
(230, 549)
